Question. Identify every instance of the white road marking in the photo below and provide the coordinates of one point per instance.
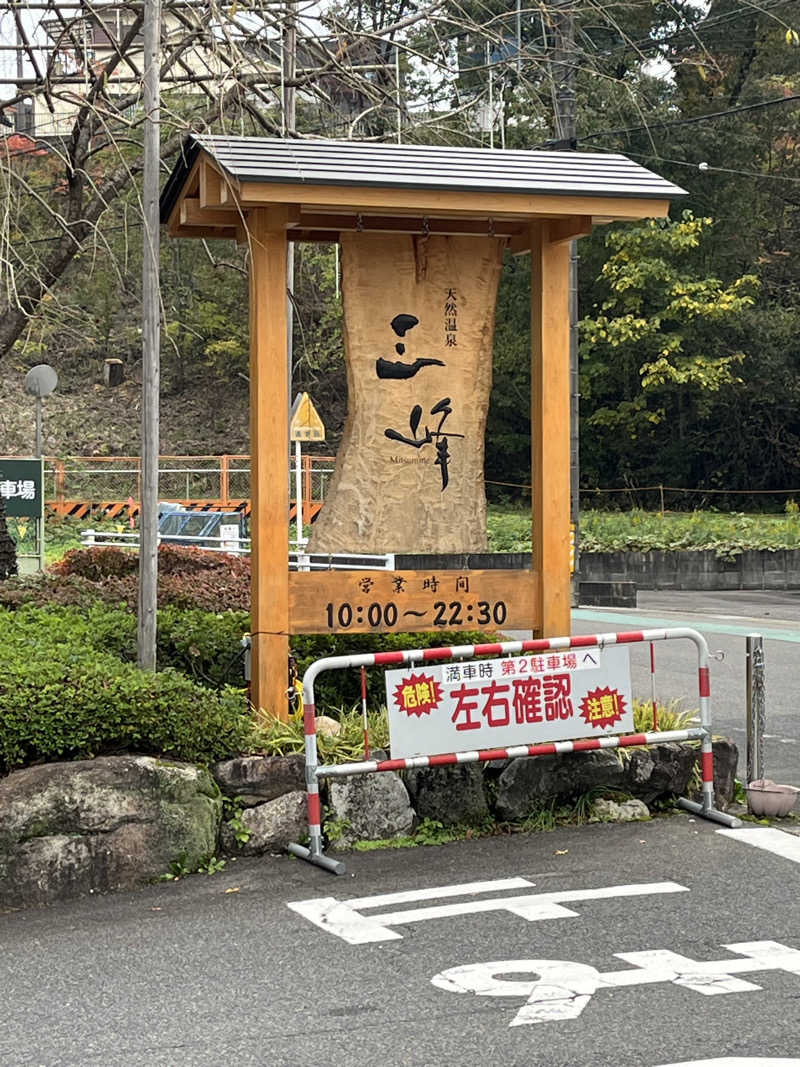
(769, 838)
(737, 1061)
(344, 918)
(561, 989)
(437, 892)
(767, 737)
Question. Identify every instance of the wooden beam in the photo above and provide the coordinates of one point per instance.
(211, 233)
(229, 197)
(193, 214)
(293, 215)
(210, 185)
(173, 222)
(477, 227)
(314, 236)
(565, 230)
(269, 437)
(456, 203)
(320, 600)
(550, 428)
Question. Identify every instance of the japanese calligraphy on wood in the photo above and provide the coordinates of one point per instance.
(411, 601)
(418, 324)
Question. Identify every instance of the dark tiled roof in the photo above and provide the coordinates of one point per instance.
(433, 167)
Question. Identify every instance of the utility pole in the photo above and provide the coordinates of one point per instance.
(151, 337)
(564, 67)
(289, 124)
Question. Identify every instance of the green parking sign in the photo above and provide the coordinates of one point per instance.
(21, 484)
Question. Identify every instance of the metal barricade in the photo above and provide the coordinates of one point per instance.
(315, 771)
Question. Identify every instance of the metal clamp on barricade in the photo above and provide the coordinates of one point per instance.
(522, 686)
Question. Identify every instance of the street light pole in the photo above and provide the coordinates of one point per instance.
(151, 317)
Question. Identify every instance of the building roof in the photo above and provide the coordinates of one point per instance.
(419, 167)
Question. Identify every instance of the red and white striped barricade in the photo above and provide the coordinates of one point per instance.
(314, 770)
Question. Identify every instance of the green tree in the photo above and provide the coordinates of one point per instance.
(662, 339)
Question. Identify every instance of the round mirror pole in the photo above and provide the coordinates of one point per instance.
(40, 381)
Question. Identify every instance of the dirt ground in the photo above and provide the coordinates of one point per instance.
(85, 418)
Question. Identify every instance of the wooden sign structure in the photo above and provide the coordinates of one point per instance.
(266, 192)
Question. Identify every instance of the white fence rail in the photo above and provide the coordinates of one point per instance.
(240, 546)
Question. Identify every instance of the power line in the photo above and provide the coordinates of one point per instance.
(671, 123)
(706, 167)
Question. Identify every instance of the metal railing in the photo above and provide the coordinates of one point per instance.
(234, 546)
(240, 546)
(222, 479)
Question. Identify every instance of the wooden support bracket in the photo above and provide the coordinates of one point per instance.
(560, 231)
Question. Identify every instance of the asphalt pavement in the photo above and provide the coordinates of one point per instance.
(625, 945)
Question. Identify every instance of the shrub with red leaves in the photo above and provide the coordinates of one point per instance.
(188, 578)
(97, 563)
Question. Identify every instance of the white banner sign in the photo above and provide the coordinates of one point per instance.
(552, 696)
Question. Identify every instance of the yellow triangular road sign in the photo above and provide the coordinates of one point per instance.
(305, 423)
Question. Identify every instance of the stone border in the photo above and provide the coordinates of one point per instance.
(695, 570)
(117, 822)
(703, 570)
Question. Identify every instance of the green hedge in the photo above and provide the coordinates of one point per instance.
(342, 689)
(63, 697)
(206, 646)
(70, 688)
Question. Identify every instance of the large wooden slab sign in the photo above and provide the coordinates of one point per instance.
(361, 602)
(418, 325)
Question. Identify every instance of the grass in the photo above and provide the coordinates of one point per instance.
(60, 534)
(644, 531)
(282, 738)
(510, 531)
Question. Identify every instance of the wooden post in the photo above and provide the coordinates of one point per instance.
(269, 472)
(550, 427)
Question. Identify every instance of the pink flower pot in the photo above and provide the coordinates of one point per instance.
(764, 797)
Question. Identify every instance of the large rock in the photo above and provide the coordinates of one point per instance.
(94, 825)
(726, 757)
(610, 811)
(368, 807)
(658, 771)
(525, 782)
(453, 794)
(256, 779)
(271, 826)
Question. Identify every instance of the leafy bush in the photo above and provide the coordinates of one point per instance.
(204, 645)
(341, 689)
(97, 563)
(62, 698)
(281, 738)
(44, 590)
